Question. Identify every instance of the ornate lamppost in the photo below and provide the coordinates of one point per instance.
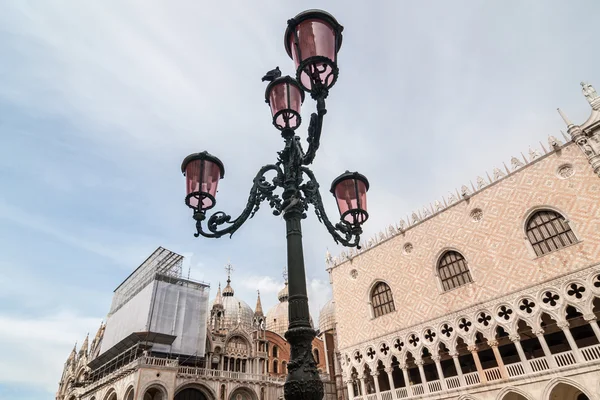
(312, 40)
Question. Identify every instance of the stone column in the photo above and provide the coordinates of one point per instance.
(473, 349)
(494, 345)
(363, 392)
(406, 380)
(375, 375)
(516, 339)
(591, 319)
(438, 366)
(422, 373)
(461, 378)
(390, 371)
(350, 389)
(540, 335)
(564, 325)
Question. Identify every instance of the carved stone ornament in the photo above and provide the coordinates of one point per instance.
(533, 154)
(589, 92)
(354, 274)
(476, 215)
(498, 174)
(438, 206)
(464, 191)
(415, 218)
(425, 213)
(565, 171)
(452, 198)
(480, 183)
(516, 163)
(401, 225)
(554, 142)
(408, 248)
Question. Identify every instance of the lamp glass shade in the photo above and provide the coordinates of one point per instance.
(202, 173)
(350, 191)
(285, 98)
(316, 38)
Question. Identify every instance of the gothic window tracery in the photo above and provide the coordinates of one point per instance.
(548, 231)
(453, 270)
(382, 300)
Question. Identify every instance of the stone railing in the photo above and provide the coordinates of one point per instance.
(566, 359)
(214, 373)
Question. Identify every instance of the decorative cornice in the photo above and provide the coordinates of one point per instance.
(431, 211)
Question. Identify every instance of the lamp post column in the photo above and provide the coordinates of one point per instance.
(303, 382)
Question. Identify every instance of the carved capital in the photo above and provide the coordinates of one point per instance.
(538, 332)
(375, 373)
(492, 343)
(562, 325)
(589, 317)
(419, 362)
(515, 337)
(389, 370)
(472, 348)
(455, 355)
(436, 358)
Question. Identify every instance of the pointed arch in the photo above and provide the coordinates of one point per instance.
(507, 391)
(567, 382)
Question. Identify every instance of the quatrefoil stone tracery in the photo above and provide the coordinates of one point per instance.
(414, 340)
(447, 330)
(464, 324)
(504, 312)
(527, 306)
(371, 353)
(429, 335)
(484, 319)
(384, 349)
(398, 344)
(576, 290)
(550, 299)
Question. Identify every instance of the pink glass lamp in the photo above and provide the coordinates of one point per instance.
(202, 172)
(313, 39)
(350, 192)
(285, 97)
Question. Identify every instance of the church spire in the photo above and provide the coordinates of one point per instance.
(258, 311)
(219, 298)
(228, 290)
(84, 346)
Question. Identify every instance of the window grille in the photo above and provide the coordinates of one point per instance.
(548, 231)
(382, 300)
(453, 270)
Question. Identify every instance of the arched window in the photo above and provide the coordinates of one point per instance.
(274, 351)
(381, 299)
(316, 355)
(547, 231)
(453, 270)
(274, 366)
(283, 367)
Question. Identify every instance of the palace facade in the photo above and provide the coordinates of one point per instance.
(490, 294)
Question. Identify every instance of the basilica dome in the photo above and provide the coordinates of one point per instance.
(234, 310)
(327, 317)
(277, 317)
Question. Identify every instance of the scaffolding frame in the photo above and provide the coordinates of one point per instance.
(162, 261)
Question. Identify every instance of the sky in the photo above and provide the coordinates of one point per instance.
(101, 101)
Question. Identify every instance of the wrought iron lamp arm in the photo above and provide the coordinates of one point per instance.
(261, 190)
(314, 137)
(342, 232)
